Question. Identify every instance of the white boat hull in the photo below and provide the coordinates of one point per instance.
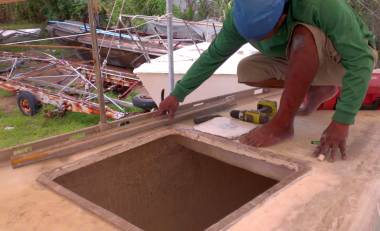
(154, 75)
(215, 86)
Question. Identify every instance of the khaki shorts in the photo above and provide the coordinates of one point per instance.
(257, 67)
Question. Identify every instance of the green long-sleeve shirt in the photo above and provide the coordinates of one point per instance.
(335, 18)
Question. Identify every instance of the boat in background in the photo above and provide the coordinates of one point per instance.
(132, 46)
(198, 31)
(120, 49)
(19, 35)
(154, 75)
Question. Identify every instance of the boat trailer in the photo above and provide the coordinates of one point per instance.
(43, 79)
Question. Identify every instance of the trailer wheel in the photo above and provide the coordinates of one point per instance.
(28, 103)
(144, 102)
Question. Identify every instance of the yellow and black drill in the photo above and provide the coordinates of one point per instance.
(266, 109)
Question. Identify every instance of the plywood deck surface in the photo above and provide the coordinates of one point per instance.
(344, 195)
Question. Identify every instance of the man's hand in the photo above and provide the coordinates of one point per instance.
(268, 134)
(333, 140)
(168, 106)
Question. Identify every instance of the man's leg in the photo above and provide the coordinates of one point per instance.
(302, 69)
(315, 97)
(261, 71)
(265, 72)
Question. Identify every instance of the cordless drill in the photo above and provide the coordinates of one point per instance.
(266, 109)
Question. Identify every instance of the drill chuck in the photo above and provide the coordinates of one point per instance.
(236, 114)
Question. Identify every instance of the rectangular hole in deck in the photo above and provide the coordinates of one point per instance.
(164, 185)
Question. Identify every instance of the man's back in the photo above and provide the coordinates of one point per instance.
(316, 13)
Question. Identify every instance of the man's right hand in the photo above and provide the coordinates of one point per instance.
(168, 106)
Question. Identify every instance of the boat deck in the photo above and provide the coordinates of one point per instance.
(344, 195)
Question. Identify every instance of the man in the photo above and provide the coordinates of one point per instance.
(308, 47)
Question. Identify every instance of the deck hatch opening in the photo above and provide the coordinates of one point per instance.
(167, 185)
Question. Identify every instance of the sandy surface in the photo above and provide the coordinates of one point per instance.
(340, 196)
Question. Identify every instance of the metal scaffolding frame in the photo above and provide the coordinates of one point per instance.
(66, 85)
(169, 12)
(98, 70)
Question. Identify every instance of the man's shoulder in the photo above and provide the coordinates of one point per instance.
(311, 11)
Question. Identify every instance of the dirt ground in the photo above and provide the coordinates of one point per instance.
(7, 104)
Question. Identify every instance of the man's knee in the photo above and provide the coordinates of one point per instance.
(303, 41)
(248, 73)
(303, 52)
(243, 68)
(304, 36)
(259, 68)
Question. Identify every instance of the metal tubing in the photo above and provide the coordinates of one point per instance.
(71, 90)
(169, 10)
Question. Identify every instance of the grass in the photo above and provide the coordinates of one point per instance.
(132, 109)
(4, 93)
(56, 52)
(27, 129)
(19, 25)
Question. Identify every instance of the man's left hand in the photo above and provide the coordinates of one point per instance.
(333, 140)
